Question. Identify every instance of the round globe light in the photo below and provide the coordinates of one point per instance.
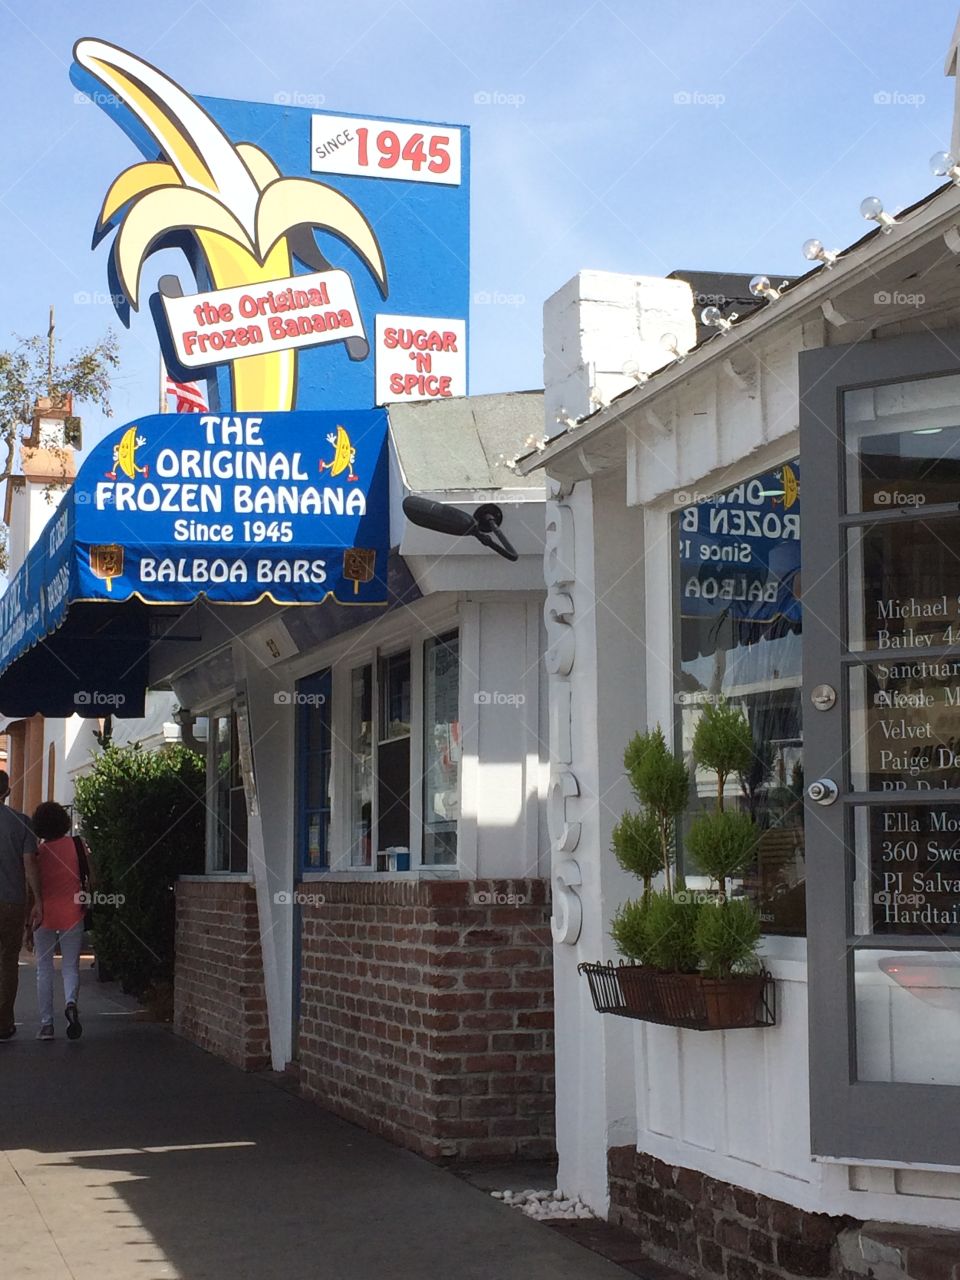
(941, 162)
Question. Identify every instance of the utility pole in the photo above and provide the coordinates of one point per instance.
(50, 345)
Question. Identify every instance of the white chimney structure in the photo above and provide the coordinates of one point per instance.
(600, 324)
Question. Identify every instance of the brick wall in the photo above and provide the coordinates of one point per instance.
(219, 999)
(723, 1231)
(427, 1013)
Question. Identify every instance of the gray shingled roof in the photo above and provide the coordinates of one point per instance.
(457, 443)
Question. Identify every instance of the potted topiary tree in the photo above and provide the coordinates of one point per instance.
(661, 784)
(690, 959)
(724, 844)
(655, 931)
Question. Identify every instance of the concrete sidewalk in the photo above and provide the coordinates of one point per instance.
(132, 1155)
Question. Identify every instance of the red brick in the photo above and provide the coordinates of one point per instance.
(510, 1000)
(487, 978)
(733, 1236)
(458, 1000)
(490, 1062)
(489, 1019)
(621, 1161)
(931, 1262)
(489, 1107)
(405, 986)
(540, 1018)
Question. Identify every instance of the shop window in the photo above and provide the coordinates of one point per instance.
(228, 833)
(361, 766)
(393, 764)
(737, 588)
(441, 749)
(313, 771)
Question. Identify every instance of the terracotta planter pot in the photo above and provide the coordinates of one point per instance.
(639, 990)
(681, 998)
(687, 1000)
(733, 1001)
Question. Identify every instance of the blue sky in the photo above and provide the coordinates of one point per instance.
(585, 151)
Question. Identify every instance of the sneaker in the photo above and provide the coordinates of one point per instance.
(74, 1029)
(45, 1032)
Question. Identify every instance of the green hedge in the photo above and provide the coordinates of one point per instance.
(142, 814)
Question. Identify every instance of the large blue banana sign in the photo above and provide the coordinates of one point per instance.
(290, 507)
(280, 320)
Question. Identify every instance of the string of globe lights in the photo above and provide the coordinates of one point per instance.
(871, 209)
(943, 164)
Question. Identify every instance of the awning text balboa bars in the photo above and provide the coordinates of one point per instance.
(298, 507)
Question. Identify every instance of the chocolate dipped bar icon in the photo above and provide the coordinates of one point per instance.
(358, 566)
(106, 562)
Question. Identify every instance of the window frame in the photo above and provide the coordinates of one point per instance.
(440, 639)
(228, 712)
(407, 629)
(381, 737)
(341, 825)
(895, 1122)
(753, 469)
(319, 683)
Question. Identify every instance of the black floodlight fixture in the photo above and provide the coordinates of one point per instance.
(484, 524)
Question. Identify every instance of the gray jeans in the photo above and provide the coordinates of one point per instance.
(45, 942)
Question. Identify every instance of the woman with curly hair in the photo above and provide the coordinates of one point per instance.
(63, 880)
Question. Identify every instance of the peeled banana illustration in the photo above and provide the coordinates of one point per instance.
(791, 486)
(125, 455)
(344, 454)
(247, 219)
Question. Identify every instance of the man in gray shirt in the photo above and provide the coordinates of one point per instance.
(18, 868)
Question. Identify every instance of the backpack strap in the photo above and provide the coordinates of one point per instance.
(82, 863)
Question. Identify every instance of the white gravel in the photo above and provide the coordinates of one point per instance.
(544, 1204)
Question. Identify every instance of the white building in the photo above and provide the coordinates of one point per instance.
(672, 576)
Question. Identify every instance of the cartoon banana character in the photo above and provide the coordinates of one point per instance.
(791, 486)
(249, 221)
(344, 454)
(125, 455)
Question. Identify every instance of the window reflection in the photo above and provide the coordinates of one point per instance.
(229, 808)
(441, 750)
(361, 765)
(737, 578)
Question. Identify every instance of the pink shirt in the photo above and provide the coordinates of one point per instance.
(59, 883)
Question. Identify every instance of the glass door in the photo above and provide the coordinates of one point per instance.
(880, 447)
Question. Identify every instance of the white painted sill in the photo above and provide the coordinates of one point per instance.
(359, 875)
(219, 877)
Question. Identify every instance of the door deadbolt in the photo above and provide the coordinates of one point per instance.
(823, 791)
(823, 697)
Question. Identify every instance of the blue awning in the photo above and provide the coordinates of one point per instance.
(292, 507)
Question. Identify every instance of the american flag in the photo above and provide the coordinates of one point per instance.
(188, 395)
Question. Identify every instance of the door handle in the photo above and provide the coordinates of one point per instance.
(823, 791)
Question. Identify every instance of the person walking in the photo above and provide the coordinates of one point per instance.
(65, 878)
(17, 869)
